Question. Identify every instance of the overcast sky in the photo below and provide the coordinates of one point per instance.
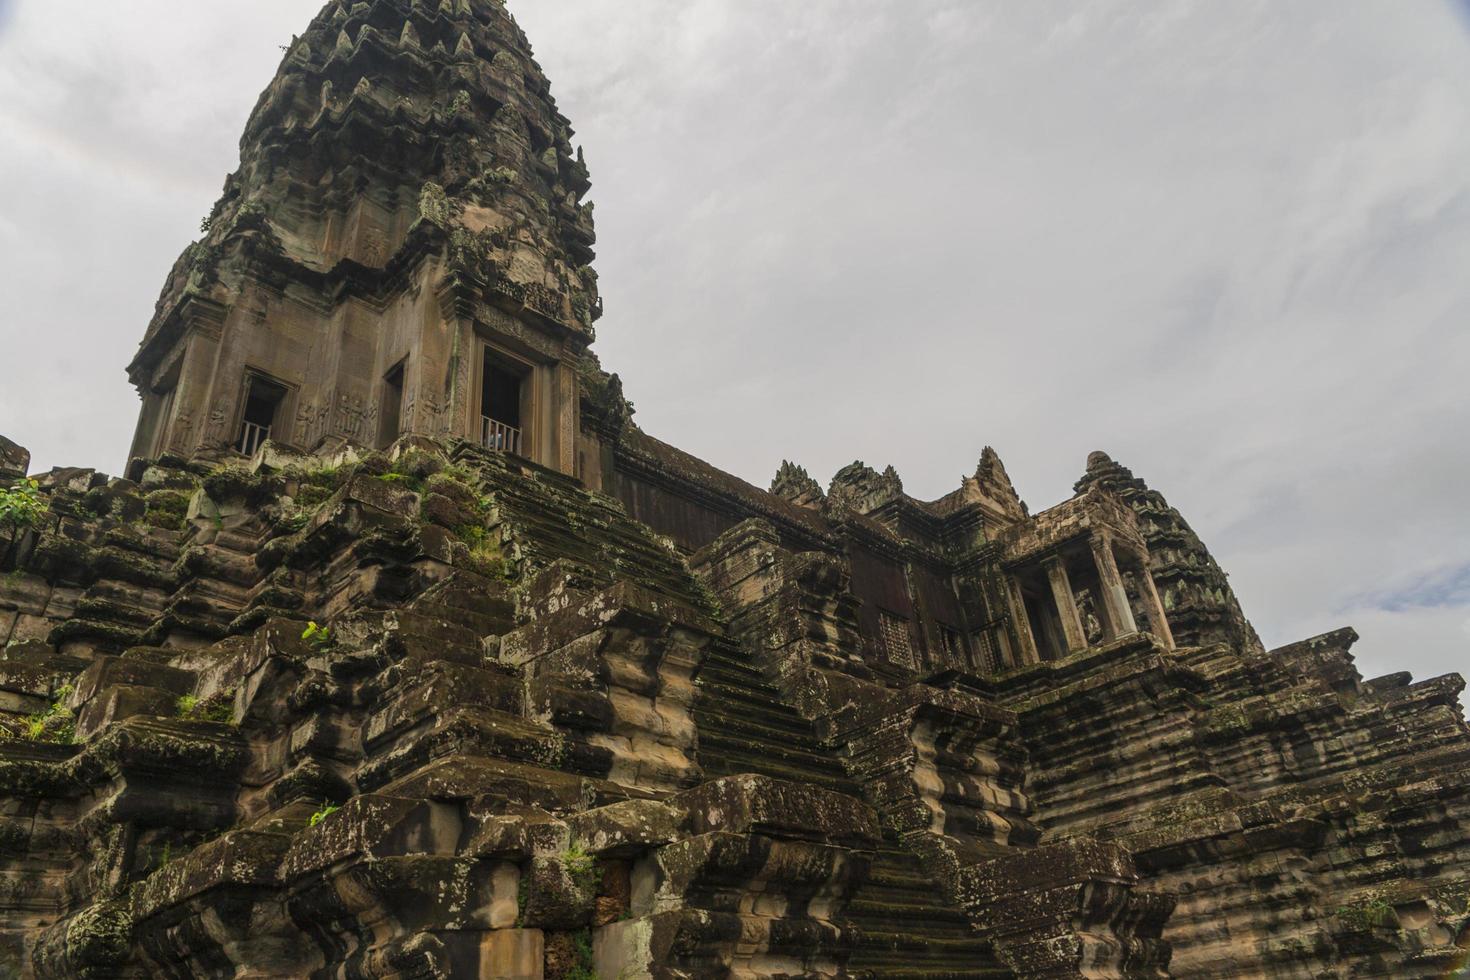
(1226, 242)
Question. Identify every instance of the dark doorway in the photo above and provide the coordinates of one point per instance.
(502, 395)
(391, 416)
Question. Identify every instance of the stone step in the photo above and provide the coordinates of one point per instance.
(751, 702)
(469, 731)
(720, 667)
(733, 754)
(777, 729)
(904, 931)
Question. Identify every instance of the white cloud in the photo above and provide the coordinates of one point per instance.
(1225, 242)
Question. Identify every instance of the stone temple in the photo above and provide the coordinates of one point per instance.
(400, 650)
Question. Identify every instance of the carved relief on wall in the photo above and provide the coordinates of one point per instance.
(409, 413)
(183, 429)
(350, 420)
(305, 417)
(436, 415)
(314, 420)
(461, 377)
(374, 247)
(214, 431)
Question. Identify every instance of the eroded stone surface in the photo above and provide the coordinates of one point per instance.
(388, 686)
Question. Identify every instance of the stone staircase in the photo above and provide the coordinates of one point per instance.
(745, 726)
(906, 931)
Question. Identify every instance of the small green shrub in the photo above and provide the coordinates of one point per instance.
(485, 556)
(459, 472)
(322, 477)
(22, 504)
(408, 481)
(318, 636)
(581, 865)
(326, 811)
(55, 724)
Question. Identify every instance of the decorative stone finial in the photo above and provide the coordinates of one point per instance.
(795, 484)
(859, 487)
(991, 488)
(1104, 471)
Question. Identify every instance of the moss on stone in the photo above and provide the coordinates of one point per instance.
(1368, 915)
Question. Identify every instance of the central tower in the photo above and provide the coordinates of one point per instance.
(403, 249)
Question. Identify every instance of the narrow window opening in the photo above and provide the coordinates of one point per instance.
(502, 399)
(391, 416)
(262, 399)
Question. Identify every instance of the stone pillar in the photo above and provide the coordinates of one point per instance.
(1114, 596)
(1061, 589)
(1150, 595)
(1022, 624)
(567, 412)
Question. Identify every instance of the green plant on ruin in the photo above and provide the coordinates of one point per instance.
(319, 637)
(219, 708)
(460, 103)
(586, 966)
(55, 724)
(166, 509)
(327, 809)
(204, 263)
(327, 476)
(485, 556)
(404, 479)
(22, 504)
(459, 473)
(581, 865)
(295, 521)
